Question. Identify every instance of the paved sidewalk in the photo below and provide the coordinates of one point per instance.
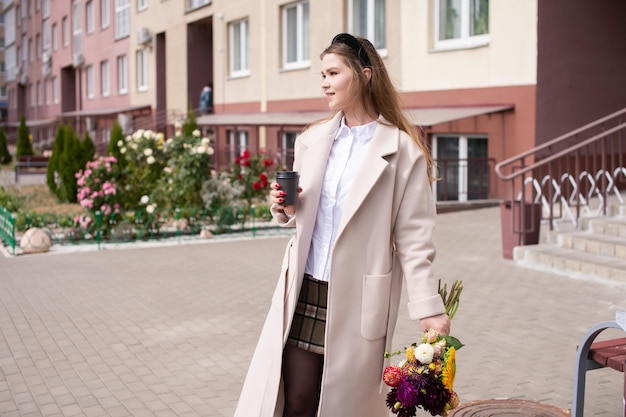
(169, 331)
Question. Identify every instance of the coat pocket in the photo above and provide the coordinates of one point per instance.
(375, 306)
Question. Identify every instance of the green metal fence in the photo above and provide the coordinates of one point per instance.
(7, 228)
(137, 226)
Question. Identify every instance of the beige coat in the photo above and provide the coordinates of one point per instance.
(385, 232)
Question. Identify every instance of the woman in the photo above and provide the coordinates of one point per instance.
(363, 219)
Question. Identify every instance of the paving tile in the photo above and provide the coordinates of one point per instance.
(156, 331)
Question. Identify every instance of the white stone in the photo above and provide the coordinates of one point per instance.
(35, 240)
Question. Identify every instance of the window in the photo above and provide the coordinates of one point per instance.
(25, 47)
(194, 4)
(48, 92)
(31, 51)
(104, 79)
(289, 140)
(55, 90)
(296, 36)
(142, 5)
(463, 163)
(77, 29)
(122, 18)
(89, 81)
(238, 43)
(89, 17)
(1, 42)
(39, 94)
(122, 74)
(461, 23)
(367, 19)
(45, 9)
(65, 32)
(142, 70)
(104, 13)
(37, 46)
(55, 37)
(237, 142)
(46, 35)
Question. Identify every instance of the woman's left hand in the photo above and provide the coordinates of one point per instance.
(440, 323)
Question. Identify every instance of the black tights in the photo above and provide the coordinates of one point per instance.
(302, 378)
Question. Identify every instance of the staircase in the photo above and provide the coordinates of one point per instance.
(596, 251)
(579, 181)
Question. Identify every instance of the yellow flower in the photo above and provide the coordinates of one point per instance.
(410, 354)
(449, 369)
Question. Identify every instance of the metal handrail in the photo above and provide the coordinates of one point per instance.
(555, 141)
(563, 174)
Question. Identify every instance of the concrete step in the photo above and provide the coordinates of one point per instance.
(594, 243)
(571, 262)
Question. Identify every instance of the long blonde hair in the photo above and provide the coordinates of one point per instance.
(379, 95)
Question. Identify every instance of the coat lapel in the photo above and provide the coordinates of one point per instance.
(384, 142)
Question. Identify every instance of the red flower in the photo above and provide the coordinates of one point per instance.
(256, 185)
(245, 154)
(268, 162)
(392, 375)
(240, 176)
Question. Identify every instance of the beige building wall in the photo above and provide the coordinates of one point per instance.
(168, 17)
(509, 59)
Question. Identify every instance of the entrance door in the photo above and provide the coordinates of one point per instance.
(463, 168)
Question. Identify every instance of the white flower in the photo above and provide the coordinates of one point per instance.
(205, 141)
(150, 208)
(147, 151)
(133, 145)
(149, 134)
(168, 170)
(150, 160)
(169, 141)
(144, 199)
(210, 150)
(159, 137)
(196, 133)
(123, 150)
(138, 134)
(424, 353)
(120, 143)
(202, 149)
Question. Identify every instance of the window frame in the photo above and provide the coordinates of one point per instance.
(122, 18)
(465, 40)
(105, 14)
(122, 74)
(90, 85)
(90, 17)
(65, 32)
(105, 79)
(142, 69)
(303, 57)
(371, 24)
(142, 5)
(243, 48)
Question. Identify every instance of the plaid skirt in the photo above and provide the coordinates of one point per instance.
(309, 321)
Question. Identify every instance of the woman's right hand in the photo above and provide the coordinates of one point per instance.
(277, 197)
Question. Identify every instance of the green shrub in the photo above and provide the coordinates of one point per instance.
(24, 146)
(9, 201)
(69, 164)
(52, 176)
(88, 150)
(5, 156)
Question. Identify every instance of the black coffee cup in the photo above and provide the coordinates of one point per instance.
(288, 181)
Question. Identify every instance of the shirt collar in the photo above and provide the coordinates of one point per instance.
(360, 133)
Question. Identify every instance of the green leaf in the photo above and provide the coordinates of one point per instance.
(454, 342)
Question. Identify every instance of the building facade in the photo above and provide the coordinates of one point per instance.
(476, 75)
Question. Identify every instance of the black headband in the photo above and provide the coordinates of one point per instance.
(354, 44)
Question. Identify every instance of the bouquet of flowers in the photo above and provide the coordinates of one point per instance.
(425, 378)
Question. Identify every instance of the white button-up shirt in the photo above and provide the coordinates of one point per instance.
(346, 156)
